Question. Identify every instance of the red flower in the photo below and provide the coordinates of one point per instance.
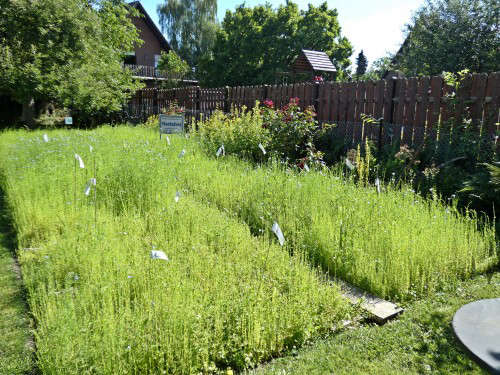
(294, 101)
(268, 103)
(318, 79)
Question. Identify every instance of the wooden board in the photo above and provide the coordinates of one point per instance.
(379, 309)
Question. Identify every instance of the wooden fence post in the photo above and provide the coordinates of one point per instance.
(227, 104)
(315, 98)
(266, 92)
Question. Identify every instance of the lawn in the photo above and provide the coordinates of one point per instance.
(229, 296)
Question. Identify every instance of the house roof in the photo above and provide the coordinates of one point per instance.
(163, 42)
(308, 61)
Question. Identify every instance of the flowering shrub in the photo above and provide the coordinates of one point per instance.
(173, 109)
(292, 133)
(287, 134)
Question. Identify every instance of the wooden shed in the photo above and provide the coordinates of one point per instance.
(314, 62)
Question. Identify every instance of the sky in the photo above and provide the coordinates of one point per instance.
(374, 26)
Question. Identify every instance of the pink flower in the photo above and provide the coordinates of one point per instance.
(268, 103)
(318, 79)
(294, 101)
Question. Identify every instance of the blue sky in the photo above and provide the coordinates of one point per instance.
(374, 26)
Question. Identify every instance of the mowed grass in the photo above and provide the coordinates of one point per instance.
(420, 341)
(16, 351)
(223, 299)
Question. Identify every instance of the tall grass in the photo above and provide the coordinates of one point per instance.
(395, 244)
(224, 298)
(229, 294)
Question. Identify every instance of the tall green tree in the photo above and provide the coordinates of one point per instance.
(361, 64)
(452, 35)
(254, 44)
(69, 52)
(190, 25)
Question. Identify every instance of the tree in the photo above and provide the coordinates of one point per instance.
(361, 64)
(452, 35)
(378, 69)
(173, 66)
(69, 52)
(254, 44)
(190, 25)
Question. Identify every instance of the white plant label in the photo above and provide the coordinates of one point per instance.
(91, 182)
(168, 140)
(377, 184)
(349, 164)
(262, 148)
(177, 196)
(91, 148)
(306, 167)
(45, 137)
(80, 161)
(157, 254)
(220, 151)
(87, 189)
(277, 231)
(182, 153)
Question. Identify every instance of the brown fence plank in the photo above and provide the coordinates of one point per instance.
(379, 99)
(388, 103)
(360, 101)
(409, 115)
(399, 101)
(434, 107)
(492, 103)
(478, 91)
(422, 103)
(333, 106)
(351, 101)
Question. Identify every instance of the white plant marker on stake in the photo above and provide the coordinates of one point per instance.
(277, 231)
(262, 148)
(91, 182)
(306, 167)
(220, 151)
(377, 184)
(182, 153)
(45, 138)
(91, 148)
(80, 161)
(168, 140)
(349, 164)
(177, 196)
(157, 254)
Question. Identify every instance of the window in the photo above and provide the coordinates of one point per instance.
(130, 58)
(157, 60)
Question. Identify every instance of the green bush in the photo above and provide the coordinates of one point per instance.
(287, 134)
(240, 132)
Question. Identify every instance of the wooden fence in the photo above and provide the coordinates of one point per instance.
(411, 108)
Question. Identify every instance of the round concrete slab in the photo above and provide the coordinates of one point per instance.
(477, 326)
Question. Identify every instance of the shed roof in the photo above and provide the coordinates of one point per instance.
(163, 42)
(308, 61)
